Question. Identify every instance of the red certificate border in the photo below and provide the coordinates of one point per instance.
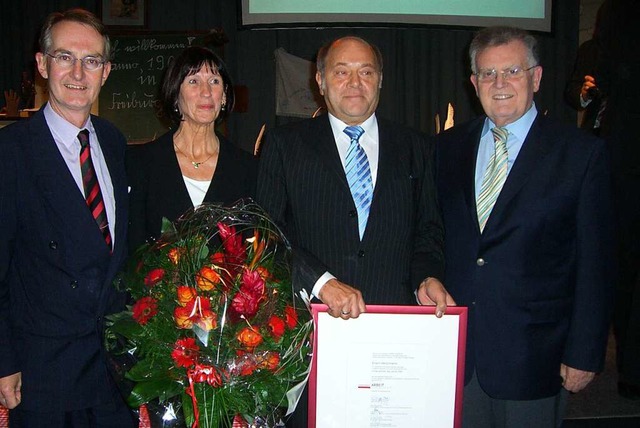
(459, 311)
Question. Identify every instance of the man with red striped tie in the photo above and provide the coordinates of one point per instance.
(63, 221)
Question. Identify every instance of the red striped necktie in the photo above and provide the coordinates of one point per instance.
(92, 192)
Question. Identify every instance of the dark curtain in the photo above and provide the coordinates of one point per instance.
(425, 68)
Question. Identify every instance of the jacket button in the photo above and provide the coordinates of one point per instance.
(74, 284)
(53, 245)
(480, 262)
(353, 213)
(361, 253)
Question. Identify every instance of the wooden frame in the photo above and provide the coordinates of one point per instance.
(124, 13)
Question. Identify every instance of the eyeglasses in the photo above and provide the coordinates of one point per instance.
(66, 60)
(511, 73)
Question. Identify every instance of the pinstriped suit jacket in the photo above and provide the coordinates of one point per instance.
(302, 185)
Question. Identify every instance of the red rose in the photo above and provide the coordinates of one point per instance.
(144, 309)
(290, 316)
(153, 277)
(276, 326)
(185, 352)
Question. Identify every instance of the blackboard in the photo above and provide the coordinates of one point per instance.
(129, 98)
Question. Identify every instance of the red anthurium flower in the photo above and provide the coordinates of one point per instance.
(153, 277)
(290, 317)
(144, 309)
(185, 294)
(185, 352)
(276, 326)
(249, 337)
(207, 278)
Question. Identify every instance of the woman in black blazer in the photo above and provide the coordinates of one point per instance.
(192, 164)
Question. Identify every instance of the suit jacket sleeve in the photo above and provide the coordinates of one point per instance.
(271, 194)
(8, 361)
(586, 342)
(428, 255)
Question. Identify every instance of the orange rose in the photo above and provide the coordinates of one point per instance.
(207, 321)
(270, 361)
(185, 294)
(181, 315)
(249, 337)
(207, 278)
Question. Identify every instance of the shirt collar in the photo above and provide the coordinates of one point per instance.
(369, 125)
(519, 128)
(62, 130)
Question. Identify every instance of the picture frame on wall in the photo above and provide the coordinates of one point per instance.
(124, 13)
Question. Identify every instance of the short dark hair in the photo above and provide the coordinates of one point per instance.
(321, 58)
(80, 16)
(189, 62)
(497, 36)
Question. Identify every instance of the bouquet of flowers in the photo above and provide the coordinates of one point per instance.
(215, 320)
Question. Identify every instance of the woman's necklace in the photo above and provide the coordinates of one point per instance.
(195, 164)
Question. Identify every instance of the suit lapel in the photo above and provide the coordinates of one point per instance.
(324, 146)
(532, 154)
(468, 168)
(53, 177)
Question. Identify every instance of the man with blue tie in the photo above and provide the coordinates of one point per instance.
(354, 194)
(528, 242)
(63, 222)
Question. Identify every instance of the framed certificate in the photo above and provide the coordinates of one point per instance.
(392, 367)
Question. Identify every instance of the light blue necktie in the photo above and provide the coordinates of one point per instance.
(359, 176)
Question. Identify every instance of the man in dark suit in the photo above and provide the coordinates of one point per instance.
(63, 217)
(345, 254)
(535, 265)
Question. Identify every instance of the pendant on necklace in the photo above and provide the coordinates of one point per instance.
(196, 165)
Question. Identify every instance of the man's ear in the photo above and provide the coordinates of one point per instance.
(41, 62)
(320, 83)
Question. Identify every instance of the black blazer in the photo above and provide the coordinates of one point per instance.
(56, 272)
(157, 188)
(538, 280)
(302, 185)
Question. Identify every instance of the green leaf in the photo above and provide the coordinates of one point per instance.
(146, 391)
(167, 226)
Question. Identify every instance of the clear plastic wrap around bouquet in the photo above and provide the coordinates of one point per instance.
(216, 325)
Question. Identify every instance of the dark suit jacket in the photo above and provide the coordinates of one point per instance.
(55, 270)
(302, 185)
(538, 280)
(158, 189)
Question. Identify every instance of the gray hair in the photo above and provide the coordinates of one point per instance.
(497, 36)
(80, 16)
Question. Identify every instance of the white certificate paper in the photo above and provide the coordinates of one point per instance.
(392, 367)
